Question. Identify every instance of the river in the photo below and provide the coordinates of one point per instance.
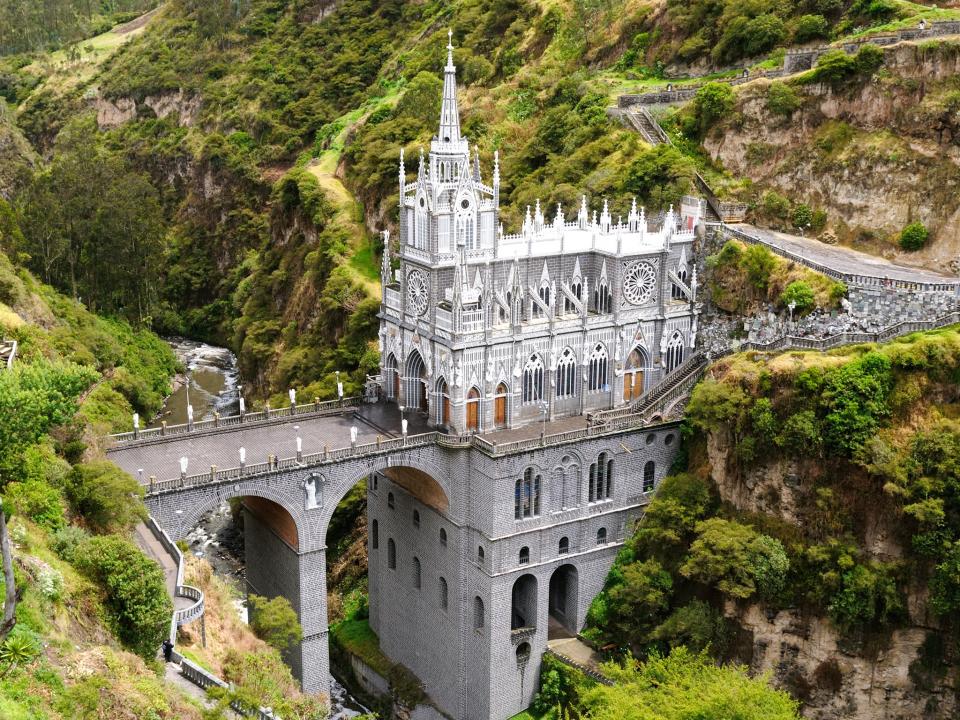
(211, 384)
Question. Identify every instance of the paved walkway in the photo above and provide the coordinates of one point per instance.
(844, 259)
(154, 550)
(533, 430)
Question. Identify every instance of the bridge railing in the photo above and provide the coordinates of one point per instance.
(195, 610)
(259, 418)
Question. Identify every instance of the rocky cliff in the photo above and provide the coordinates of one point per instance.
(875, 152)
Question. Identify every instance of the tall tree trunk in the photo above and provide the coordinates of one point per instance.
(10, 600)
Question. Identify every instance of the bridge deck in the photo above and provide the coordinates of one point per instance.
(221, 448)
(844, 259)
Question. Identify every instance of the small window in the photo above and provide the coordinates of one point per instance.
(668, 440)
(480, 554)
(443, 537)
(391, 554)
(444, 599)
(523, 653)
(649, 474)
(416, 573)
(390, 502)
(375, 534)
(650, 438)
(478, 613)
(416, 518)
(564, 546)
(376, 481)
(602, 536)
(524, 555)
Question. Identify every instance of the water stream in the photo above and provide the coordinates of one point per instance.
(210, 384)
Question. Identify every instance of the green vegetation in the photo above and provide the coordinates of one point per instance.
(837, 67)
(275, 621)
(914, 236)
(743, 277)
(29, 26)
(107, 498)
(686, 685)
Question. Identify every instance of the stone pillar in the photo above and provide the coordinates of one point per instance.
(311, 663)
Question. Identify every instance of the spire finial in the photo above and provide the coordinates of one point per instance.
(450, 47)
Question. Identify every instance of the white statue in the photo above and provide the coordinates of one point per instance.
(311, 489)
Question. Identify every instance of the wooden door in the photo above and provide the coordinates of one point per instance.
(396, 385)
(627, 386)
(500, 411)
(473, 414)
(446, 410)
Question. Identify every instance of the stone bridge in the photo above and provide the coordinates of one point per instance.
(309, 459)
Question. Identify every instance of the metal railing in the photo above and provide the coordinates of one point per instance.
(195, 610)
(205, 679)
(268, 416)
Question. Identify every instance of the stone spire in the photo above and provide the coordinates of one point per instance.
(449, 113)
(633, 219)
(583, 217)
(403, 176)
(421, 170)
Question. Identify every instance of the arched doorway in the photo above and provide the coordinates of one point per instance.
(473, 410)
(415, 383)
(442, 413)
(500, 406)
(563, 602)
(523, 606)
(633, 373)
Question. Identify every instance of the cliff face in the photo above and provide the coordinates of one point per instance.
(900, 673)
(876, 153)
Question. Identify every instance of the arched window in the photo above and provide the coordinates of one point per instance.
(416, 518)
(391, 554)
(442, 402)
(443, 537)
(674, 351)
(566, 374)
(676, 292)
(602, 536)
(480, 554)
(416, 573)
(473, 409)
(444, 595)
(602, 299)
(597, 369)
(564, 546)
(649, 472)
(544, 293)
(391, 377)
(524, 555)
(533, 380)
(477, 613)
(601, 479)
(523, 653)
(526, 495)
(390, 502)
(414, 384)
(420, 224)
(375, 534)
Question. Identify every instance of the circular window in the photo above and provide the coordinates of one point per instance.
(422, 202)
(650, 438)
(668, 440)
(465, 204)
(418, 294)
(639, 282)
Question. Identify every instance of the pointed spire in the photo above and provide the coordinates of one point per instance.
(559, 220)
(583, 217)
(421, 169)
(537, 217)
(385, 260)
(496, 167)
(577, 273)
(527, 228)
(605, 218)
(633, 219)
(403, 170)
(449, 112)
(476, 164)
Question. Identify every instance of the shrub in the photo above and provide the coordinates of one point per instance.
(67, 540)
(810, 27)
(106, 496)
(868, 594)
(776, 205)
(39, 502)
(696, 626)
(802, 216)
(914, 236)
(275, 622)
(136, 593)
(712, 102)
(782, 99)
(799, 293)
(758, 262)
(855, 397)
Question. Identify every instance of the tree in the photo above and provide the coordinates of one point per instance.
(711, 103)
(800, 294)
(637, 604)
(275, 622)
(136, 593)
(810, 27)
(914, 236)
(106, 496)
(685, 685)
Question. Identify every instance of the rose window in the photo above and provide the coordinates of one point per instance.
(418, 294)
(639, 283)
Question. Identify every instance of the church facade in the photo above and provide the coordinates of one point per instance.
(475, 566)
(486, 331)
